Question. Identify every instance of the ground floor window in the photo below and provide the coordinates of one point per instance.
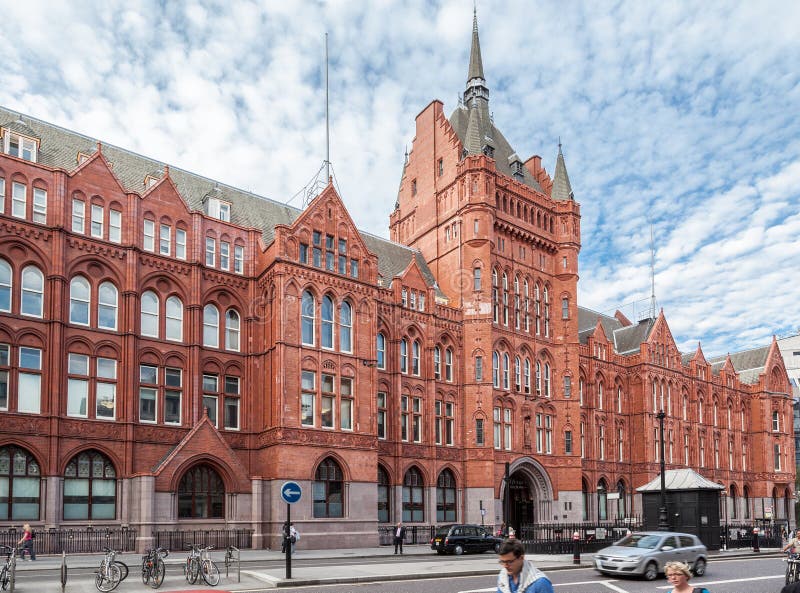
(328, 489)
(384, 496)
(20, 479)
(413, 496)
(446, 497)
(90, 487)
(201, 494)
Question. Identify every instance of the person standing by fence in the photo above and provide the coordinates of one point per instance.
(26, 541)
(399, 536)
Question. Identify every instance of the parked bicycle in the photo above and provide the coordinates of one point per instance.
(111, 573)
(229, 558)
(5, 572)
(199, 564)
(153, 568)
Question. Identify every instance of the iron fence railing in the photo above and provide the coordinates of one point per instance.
(415, 534)
(75, 541)
(557, 538)
(740, 535)
(176, 539)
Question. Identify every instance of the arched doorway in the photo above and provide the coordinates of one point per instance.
(528, 495)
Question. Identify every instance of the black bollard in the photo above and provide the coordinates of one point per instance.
(576, 548)
(755, 540)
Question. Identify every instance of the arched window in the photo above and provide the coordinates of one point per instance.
(381, 349)
(495, 298)
(585, 500)
(5, 286)
(79, 300)
(621, 500)
(232, 331)
(517, 373)
(448, 364)
(446, 497)
(384, 496)
(32, 292)
(403, 355)
(413, 497)
(90, 488)
(174, 319)
(307, 315)
(201, 494)
(346, 327)
(476, 279)
(527, 377)
(20, 478)
(506, 364)
(547, 392)
(437, 362)
(496, 370)
(734, 502)
(599, 395)
(746, 502)
(415, 347)
(527, 305)
(328, 490)
(327, 322)
(505, 299)
(210, 326)
(149, 317)
(107, 306)
(602, 501)
(546, 295)
(538, 378)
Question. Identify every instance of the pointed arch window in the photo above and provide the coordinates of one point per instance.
(32, 292)
(413, 497)
(20, 479)
(403, 355)
(90, 488)
(326, 318)
(602, 501)
(546, 295)
(538, 378)
(5, 285)
(174, 317)
(495, 298)
(446, 497)
(415, 349)
(384, 496)
(506, 364)
(621, 501)
(149, 314)
(437, 363)
(496, 370)
(505, 299)
(517, 303)
(547, 392)
(79, 300)
(328, 490)
(232, 330)
(211, 326)
(201, 494)
(381, 350)
(107, 306)
(527, 305)
(527, 376)
(345, 327)
(517, 373)
(537, 309)
(448, 364)
(307, 318)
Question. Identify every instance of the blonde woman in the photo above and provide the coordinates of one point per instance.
(678, 575)
(26, 541)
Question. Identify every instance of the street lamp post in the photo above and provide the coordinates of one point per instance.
(663, 524)
(725, 512)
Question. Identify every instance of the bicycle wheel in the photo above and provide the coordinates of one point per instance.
(123, 569)
(159, 570)
(4, 579)
(194, 571)
(210, 573)
(108, 578)
(146, 569)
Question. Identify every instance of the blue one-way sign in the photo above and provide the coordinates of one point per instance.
(291, 492)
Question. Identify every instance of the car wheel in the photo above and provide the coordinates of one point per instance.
(651, 571)
(497, 548)
(699, 567)
(458, 550)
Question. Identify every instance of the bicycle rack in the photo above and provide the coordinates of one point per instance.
(63, 571)
(233, 555)
(13, 576)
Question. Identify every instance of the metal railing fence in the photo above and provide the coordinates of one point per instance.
(75, 541)
(175, 540)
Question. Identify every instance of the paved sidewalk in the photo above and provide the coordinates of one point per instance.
(418, 562)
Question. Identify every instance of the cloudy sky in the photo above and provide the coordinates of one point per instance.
(683, 115)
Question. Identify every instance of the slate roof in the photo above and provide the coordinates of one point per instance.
(749, 364)
(680, 479)
(562, 190)
(59, 148)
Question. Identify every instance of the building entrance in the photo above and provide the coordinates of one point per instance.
(527, 496)
(522, 510)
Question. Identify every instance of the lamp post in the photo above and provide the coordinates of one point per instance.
(663, 524)
(724, 494)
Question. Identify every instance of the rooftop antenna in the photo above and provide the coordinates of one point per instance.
(327, 119)
(652, 275)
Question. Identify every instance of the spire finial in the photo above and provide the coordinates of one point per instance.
(559, 145)
(475, 61)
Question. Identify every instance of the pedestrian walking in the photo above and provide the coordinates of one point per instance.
(294, 537)
(678, 575)
(26, 541)
(399, 536)
(519, 575)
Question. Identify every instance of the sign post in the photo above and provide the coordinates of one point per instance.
(290, 493)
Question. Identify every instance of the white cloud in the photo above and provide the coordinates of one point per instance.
(683, 115)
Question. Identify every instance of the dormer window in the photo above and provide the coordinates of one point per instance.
(488, 150)
(20, 146)
(219, 209)
(149, 181)
(516, 170)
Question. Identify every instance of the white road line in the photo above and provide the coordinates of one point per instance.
(704, 583)
(607, 584)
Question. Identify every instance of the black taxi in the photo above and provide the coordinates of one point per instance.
(460, 538)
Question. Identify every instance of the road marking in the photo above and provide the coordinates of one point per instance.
(607, 584)
(704, 583)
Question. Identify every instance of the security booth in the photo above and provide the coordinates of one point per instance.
(692, 504)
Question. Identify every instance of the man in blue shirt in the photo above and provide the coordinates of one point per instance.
(519, 575)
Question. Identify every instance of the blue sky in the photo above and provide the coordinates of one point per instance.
(679, 114)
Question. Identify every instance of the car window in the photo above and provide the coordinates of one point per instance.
(687, 541)
(443, 530)
(458, 531)
(640, 540)
(670, 541)
(470, 531)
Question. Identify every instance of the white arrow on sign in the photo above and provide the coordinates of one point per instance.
(290, 493)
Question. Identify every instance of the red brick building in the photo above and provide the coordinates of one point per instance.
(173, 349)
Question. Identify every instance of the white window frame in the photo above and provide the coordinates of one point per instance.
(180, 243)
(211, 251)
(224, 255)
(149, 234)
(238, 259)
(19, 199)
(165, 239)
(115, 226)
(39, 205)
(78, 216)
(96, 222)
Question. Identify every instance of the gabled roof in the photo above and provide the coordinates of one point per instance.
(749, 364)
(628, 340)
(59, 148)
(680, 479)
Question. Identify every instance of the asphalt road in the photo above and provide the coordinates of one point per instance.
(745, 575)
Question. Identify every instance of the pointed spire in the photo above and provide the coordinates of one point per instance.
(562, 190)
(475, 61)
